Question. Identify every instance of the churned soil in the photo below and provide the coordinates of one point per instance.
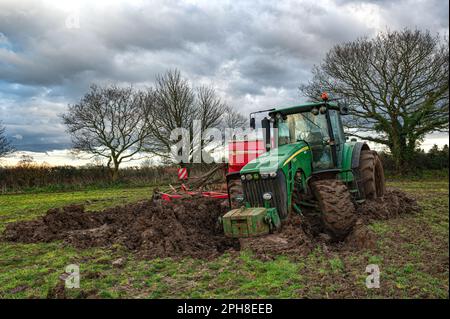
(393, 204)
(292, 240)
(152, 228)
(191, 227)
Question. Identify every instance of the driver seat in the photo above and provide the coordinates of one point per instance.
(315, 141)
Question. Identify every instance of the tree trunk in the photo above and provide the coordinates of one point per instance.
(402, 153)
(115, 171)
(115, 174)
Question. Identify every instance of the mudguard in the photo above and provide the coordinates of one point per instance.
(356, 154)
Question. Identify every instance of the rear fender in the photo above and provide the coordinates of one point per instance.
(356, 154)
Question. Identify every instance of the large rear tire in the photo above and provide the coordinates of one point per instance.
(371, 175)
(336, 205)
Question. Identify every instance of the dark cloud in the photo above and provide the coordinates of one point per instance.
(254, 52)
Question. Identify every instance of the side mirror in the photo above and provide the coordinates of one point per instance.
(265, 123)
(252, 123)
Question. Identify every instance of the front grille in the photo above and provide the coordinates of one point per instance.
(254, 190)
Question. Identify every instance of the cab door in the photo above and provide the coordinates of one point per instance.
(338, 134)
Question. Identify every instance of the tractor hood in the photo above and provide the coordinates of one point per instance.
(275, 159)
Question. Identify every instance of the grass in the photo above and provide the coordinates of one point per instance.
(59, 188)
(28, 206)
(412, 253)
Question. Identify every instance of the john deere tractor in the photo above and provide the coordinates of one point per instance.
(309, 164)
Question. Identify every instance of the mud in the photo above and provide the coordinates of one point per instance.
(393, 204)
(156, 228)
(150, 228)
(57, 292)
(301, 234)
(292, 240)
(361, 237)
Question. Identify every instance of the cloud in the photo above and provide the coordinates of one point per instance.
(255, 53)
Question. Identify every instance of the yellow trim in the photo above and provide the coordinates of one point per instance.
(303, 149)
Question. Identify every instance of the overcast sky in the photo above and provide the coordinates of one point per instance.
(255, 53)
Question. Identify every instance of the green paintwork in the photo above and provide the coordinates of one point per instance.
(250, 222)
(273, 160)
(346, 175)
(273, 219)
(288, 159)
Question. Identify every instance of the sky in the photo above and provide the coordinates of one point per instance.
(254, 53)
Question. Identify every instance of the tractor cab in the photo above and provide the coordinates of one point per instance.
(317, 124)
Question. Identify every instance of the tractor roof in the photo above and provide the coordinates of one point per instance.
(307, 107)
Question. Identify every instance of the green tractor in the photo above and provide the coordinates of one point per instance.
(309, 163)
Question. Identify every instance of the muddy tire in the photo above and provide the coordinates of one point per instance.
(338, 212)
(371, 175)
(296, 197)
(235, 190)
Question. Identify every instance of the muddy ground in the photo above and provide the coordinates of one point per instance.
(157, 228)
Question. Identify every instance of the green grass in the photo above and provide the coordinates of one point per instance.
(28, 206)
(418, 175)
(412, 253)
(59, 188)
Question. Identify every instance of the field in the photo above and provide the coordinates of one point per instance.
(411, 251)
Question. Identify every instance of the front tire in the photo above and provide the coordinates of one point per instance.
(235, 190)
(337, 209)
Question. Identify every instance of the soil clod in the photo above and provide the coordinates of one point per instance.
(150, 228)
(156, 228)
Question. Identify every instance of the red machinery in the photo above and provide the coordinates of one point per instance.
(239, 154)
(242, 152)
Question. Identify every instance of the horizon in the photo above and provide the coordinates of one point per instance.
(51, 51)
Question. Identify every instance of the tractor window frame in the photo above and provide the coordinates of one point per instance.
(289, 132)
(337, 127)
(311, 128)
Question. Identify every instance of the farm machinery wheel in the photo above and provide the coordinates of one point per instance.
(337, 209)
(371, 175)
(296, 191)
(235, 191)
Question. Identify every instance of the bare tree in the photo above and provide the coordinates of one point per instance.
(26, 160)
(111, 123)
(5, 145)
(396, 85)
(233, 119)
(172, 107)
(177, 105)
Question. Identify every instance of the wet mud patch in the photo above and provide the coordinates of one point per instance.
(149, 228)
(292, 241)
(156, 228)
(301, 234)
(393, 204)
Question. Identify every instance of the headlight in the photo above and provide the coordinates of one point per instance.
(255, 176)
(264, 175)
(273, 174)
(243, 177)
(267, 196)
(248, 177)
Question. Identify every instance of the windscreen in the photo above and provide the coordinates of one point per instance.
(313, 130)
